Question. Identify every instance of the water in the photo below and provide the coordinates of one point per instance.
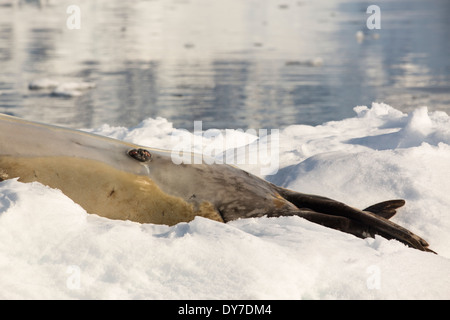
(230, 63)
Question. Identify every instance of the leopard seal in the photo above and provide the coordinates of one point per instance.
(121, 180)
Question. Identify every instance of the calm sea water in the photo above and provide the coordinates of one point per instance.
(230, 63)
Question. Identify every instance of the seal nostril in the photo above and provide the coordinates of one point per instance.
(141, 155)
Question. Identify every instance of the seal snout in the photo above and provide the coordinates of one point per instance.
(141, 155)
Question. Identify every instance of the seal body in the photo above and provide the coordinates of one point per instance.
(120, 180)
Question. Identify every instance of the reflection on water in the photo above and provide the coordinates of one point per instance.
(230, 63)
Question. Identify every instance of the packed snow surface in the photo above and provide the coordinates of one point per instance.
(51, 248)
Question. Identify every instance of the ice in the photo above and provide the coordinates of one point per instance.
(71, 89)
(42, 83)
(61, 89)
(51, 248)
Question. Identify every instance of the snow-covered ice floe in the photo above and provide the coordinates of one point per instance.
(51, 248)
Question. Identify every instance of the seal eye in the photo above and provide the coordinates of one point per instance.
(141, 155)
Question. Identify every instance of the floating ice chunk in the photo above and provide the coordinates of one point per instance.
(314, 62)
(43, 83)
(359, 36)
(61, 89)
(72, 89)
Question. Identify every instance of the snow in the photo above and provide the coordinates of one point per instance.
(50, 248)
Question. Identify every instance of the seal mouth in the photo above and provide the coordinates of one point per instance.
(140, 155)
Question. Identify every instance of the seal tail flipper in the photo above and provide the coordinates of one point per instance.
(335, 222)
(356, 228)
(370, 223)
(386, 209)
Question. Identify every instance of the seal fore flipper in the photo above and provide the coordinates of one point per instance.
(360, 223)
